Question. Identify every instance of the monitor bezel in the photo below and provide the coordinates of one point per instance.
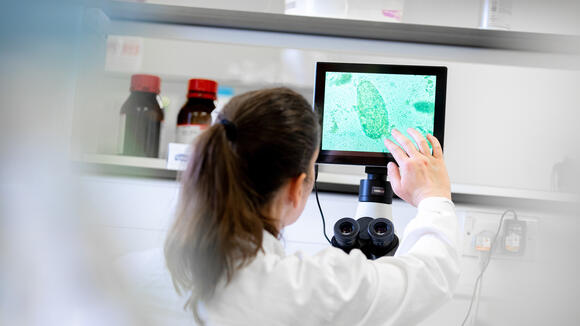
(373, 158)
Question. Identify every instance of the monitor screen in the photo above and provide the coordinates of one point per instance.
(359, 105)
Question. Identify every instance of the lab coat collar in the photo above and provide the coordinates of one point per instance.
(271, 245)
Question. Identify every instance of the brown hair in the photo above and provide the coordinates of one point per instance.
(268, 137)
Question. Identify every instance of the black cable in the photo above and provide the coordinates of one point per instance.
(476, 289)
(318, 202)
(487, 258)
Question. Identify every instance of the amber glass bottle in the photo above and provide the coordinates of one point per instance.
(141, 117)
(195, 115)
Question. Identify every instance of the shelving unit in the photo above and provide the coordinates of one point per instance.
(344, 28)
(449, 44)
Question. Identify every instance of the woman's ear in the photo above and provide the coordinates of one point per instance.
(296, 189)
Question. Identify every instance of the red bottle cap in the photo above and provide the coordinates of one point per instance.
(145, 83)
(202, 88)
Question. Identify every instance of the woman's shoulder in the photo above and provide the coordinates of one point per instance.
(273, 260)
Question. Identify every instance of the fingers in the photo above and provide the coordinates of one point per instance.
(397, 152)
(420, 140)
(405, 142)
(437, 150)
(394, 177)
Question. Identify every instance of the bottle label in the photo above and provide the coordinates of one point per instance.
(187, 133)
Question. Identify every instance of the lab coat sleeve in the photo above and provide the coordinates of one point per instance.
(426, 267)
(400, 290)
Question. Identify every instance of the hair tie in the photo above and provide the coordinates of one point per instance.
(231, 130)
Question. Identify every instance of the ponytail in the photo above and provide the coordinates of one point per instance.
(235, 168)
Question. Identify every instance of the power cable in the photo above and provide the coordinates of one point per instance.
(318, 202)
(486, 259)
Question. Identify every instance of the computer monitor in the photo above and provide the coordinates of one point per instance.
(359, 105)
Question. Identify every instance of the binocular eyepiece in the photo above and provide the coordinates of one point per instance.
(374, 237)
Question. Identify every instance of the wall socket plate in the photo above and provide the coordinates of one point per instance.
(486, 223)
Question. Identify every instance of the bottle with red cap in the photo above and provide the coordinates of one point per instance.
(195, 115)
(141, 117)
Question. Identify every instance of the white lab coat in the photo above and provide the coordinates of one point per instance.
(334, 288)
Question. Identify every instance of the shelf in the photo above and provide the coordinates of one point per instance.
(120, 160)
(124, 165)
(338, 182)
(349, 181)
(514, 193)
(345, 28)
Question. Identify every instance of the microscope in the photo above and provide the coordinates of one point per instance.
(372, 232)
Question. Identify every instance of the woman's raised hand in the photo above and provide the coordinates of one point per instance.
(420, 174)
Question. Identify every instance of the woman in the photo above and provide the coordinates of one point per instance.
(249, 177)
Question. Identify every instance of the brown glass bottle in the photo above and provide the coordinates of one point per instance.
(195, 115)
(141, 117)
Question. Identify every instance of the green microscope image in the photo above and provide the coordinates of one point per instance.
(361, 109)
(371, 110)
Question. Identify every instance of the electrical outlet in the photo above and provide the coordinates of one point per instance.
(515, 240)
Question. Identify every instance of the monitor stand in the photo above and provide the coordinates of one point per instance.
(375, 195)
